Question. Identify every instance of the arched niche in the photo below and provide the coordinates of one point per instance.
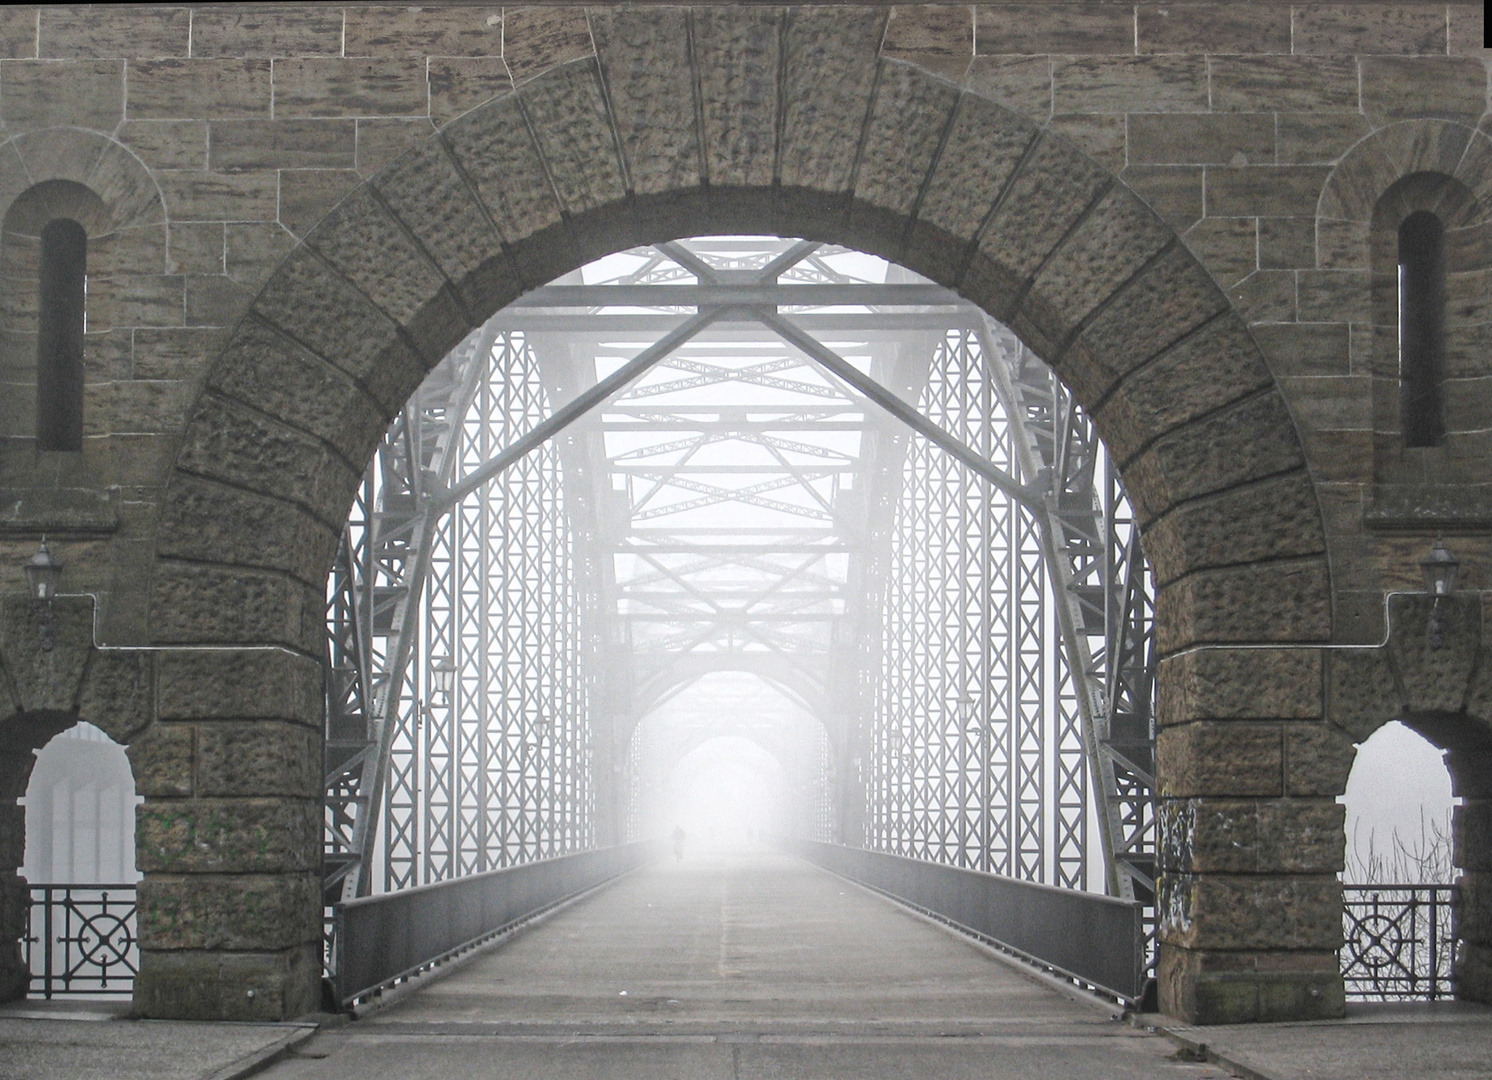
(80, 811)
(1399, 803)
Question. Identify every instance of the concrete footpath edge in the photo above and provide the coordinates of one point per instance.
(257, 1060)
(1194, 1041)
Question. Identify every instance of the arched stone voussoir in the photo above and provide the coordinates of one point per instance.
(1287, 600)
(118, 693)
(92, 159)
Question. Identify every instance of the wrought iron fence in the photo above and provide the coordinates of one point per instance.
(1399, 943)
(80, 939)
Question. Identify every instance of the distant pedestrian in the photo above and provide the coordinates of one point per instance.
(678, 843)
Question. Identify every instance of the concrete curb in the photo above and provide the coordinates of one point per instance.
(257, 1060)
(1194, 1041)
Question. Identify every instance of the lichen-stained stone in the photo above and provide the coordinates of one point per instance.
(263, 368)
(1318, 758)
(1360, 693)
(221, 605)
(1112, 84)
(232, 444)
(238, 912)
(283, 144)
(1220, 759)
(210, 196)
(253, 758)
(1434, 679)
(1236, 987)
(1395, 87)
(239, 684)
(1070, 29)
(737, 53)
(1283, 600)
(907, 126)
(67, 32)
(1284, 517)
(200, 984)
(118, 692)
(209, 522)
(934, 37)
(369, 248)
(1240, 684)
(1253, 911)
(421, 31)
(126, 188)
(978, 158)
(644, 58)
(266, 30)
(319, 309)
(162, 761)
(1302, 84)
(567, 111)
(352, 86)
(1228, 28)
(1251, 836)
(829, 72)
(228, 836)
(1369, 28)
(201, 89)
(459, 84)
(536, 39)
(60, 153)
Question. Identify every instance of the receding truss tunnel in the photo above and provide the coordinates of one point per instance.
(771, 497)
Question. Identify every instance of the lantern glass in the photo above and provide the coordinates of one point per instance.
(43, 574)
(442, 675)
(1440, 568)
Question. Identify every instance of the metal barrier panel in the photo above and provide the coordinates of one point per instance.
(1096, 939)
(381, 939)
(80, 939)
(1398, 942)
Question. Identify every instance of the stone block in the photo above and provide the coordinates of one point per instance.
(1266, 296)
(1473, 972)
(324, 86)
(171, 353)
(1272, 519)
(209, 522)
(238, 913)
(1020, 83)
(17, 32)
(1264, 190)
(1117, 237)
(569, 118)
(829, 72)
(1170, 299)
(117, 695)
(214, 300)
(1115, 84)
(1251, 911)
(427, 193)
(1212, 28)
(167, 144)
(1249, 987)
(240, 684)
(1202, 139)
(983, 147)
(1400, 88)
(1240, 684)
(12, 836)
(1285, 600)
(939, 39)
(459, 84)
(262, 368)
(163, 760)
(1293, 349)
(644, 57)
(1251, 836)
(1287, 243)
(1318, 758)
(1298, 84)
(1467, 29)
(412, 31)
(192, 604)
(380, 139)
(538, 38)
(1072, 29)
(228, 836)
(209, 196)
(1220, 759)
(1174, 192)
(195, 248)
(51, 93)
(737, 51)
(1473, 918)
(258, 758)
(907, 125)
(322, 311)
(282, 144)
(72, 33)
(308, 195)
(1307, 138)
(1369, 28)
(46, 681)
(267, 30)
(207, 89)
(1434, 679)
(191, 984)
(1472, 828)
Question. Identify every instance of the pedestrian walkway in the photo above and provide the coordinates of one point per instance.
(739, 966)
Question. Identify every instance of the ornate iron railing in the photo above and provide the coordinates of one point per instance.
(80, 939)
(1399, 943)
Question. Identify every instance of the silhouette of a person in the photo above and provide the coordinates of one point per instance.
(678, 843)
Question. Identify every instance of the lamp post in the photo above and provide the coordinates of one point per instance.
(42, 575)
(1440, 568)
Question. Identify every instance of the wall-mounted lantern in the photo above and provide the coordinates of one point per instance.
(1440, 568)
(442, 676)
(43, 573)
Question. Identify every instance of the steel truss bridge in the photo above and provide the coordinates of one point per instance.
(855, 510)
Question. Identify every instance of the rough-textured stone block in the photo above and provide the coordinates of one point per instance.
(212, 196)
(1115, 84)
(1054, 28)
(209, 522)
(17, 32)
(1473, 835)
(538, 38)
(1205, 139)
(1434, 679)
(167, 144)
(1307, 138)
(240, 913)
(569, 118)
(267, 30)
(163, 760)
(1306, 348)
(1232, 684)
(1474, 908)
(50, 93)
(1212, 28)
(228, 836)
(384, 86)
(98, 32)
(308, 195)
(1019, 83)
(282, 144)
(937, 38)
(1474, 973)
(1395, 88)
(413, 31)
(1305, 84)
(1251, 836)
(1467, 29)
(1360, 693)
(1287, 600)
(207, 89)
(1318, 758)
(459, 84)
(1369, 28)
(644, 56)
(1174, 192)
(46, 681)
(380, 139)
(1249, 987)
(830, 69)
(1251, 911)
(191, 984)
(258, 758)
(117, 693)
(1264, 190)
(191, 604)
(737, 52)
(240, 684)
(1220, 759)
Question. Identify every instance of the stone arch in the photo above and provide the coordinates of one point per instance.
(671, 130)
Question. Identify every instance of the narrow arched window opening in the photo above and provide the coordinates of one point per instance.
(59, 349)
(1422, 328)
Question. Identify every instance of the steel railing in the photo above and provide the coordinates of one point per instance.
(1095, 939)
(1398, 941)
(80, 939)
(382, 940)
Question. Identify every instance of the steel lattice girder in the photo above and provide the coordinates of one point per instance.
(1064, 520)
